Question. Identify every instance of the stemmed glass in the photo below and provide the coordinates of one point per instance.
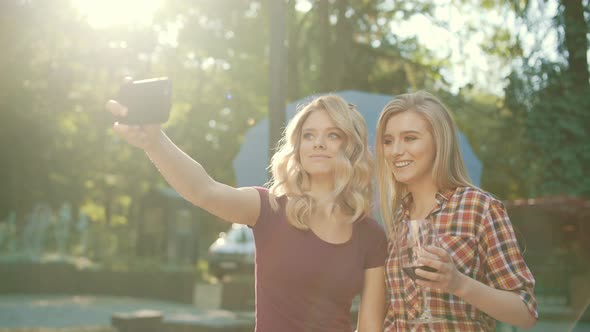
(412, 239)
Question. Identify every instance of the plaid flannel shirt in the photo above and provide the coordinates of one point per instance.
(475, 229)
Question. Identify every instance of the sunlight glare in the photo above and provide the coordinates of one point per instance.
(303, 6)
(108, 13)
(465, 55)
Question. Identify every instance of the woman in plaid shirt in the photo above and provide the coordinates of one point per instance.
(481, 275)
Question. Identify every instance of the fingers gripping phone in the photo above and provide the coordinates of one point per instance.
(147, 101)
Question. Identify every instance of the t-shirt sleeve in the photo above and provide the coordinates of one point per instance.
(265, 209)
(376, 243)
(505, 267)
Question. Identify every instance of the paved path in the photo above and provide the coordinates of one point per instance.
(54, 311)
(88, 310)
(545, 326)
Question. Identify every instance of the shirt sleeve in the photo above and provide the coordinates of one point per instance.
(377, 246)
(505, 267)
(265, 209)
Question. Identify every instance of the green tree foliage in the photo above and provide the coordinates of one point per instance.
(340, 45)
(31, 101)
(533, 140)
(551, 102)
(58, 71)
(54, 139)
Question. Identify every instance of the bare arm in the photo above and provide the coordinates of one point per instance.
(189, 179)
(187, 176)
(372, 308)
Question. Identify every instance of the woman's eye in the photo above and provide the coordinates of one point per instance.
(307, 136)
(334, 136)
(387, 141)
(410, 138)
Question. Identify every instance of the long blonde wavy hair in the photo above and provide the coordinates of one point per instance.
(448, 170)
(354, 165)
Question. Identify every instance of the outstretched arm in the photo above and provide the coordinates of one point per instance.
(187, 176)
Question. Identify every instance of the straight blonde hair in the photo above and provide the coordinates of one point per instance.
(448, 170)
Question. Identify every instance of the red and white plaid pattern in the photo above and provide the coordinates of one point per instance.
(475, 229)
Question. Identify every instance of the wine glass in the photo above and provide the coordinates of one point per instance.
(412, 239)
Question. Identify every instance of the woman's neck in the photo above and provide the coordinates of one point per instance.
(423, 198)
(322, 190)
(321, 187)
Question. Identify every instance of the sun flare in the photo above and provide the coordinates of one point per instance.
(108, 13)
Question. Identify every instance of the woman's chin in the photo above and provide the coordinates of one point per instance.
(406, 180)
(320, 172)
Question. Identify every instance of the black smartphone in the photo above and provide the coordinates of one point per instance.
(147, 101)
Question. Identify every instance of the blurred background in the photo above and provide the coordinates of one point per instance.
(75, 198)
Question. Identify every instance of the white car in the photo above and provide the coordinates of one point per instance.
(232, 252)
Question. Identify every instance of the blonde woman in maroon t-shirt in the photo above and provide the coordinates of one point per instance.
(316, 247)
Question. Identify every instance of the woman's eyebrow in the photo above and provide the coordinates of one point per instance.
(405, 132)
(315, 129)
(411, 131)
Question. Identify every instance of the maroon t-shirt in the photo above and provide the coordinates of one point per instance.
(303, 283)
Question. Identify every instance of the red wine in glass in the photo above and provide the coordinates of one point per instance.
(411, 271)
(413, 237)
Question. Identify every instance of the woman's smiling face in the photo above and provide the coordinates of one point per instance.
(408, 147)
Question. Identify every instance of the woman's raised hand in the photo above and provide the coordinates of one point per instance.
(145, 137)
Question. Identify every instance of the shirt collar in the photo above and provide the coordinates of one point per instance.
(441, 198)
(445, 195)
(407, 201)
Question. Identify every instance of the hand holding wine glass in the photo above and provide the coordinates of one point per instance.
(413, 240)
(439, 271)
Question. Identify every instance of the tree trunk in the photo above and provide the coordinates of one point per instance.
(294, 52)
(576, 43)
(277, 73)
(325, 43)
(342, 48)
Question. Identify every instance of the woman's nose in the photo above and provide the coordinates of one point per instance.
(319, 142)
(396, 148)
